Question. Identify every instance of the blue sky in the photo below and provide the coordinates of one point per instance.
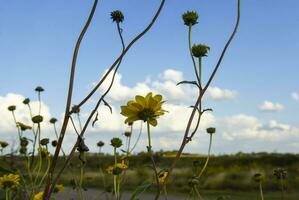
(37, 40)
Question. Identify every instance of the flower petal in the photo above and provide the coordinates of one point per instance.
(153, 122)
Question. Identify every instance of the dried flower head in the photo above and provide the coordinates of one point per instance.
(26, 101)
(9, 181)
(258, 177)
(11, 108)
(190, 18)
(116, 142)
(147, 108)
(211, 130)
(200, 50)
(280, 173)
(117, 16)
(39, 89)
(53, 120)
(100, 144)
(37, 119)
(44, 141)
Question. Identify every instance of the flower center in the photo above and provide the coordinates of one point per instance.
(146, 114)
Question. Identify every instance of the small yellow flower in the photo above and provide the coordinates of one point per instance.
(58, 188)
(116, 169)
(147, 108)
(162, 176)
(9, 181)
(23, 126)
(38, 196)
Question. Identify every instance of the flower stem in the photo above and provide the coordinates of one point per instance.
(200, 70)
(7, 194)
(149, 137)
(190, 51)
(282, 188)
(206, 163)
(261, 191)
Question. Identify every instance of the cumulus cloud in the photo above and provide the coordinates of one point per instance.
(295, 96)
(268, 106)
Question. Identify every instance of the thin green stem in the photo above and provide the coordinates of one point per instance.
(207, 160)
(47, 170)
(149, 136)
(200, 69)
(190, 51)
(261, 191)
(282, 188)
(6, 194)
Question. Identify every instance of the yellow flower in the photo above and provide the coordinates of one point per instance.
(162, 176)
(23, 126)
(9, 181)
(147, 108)
(58, 188)
(116, 169)
(38, 196)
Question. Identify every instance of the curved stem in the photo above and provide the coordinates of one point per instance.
(47, 193)
(46, 172)
(207, 160)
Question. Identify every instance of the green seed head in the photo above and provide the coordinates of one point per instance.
(190, 18)
(116, 142)
(44, 141)
(100, 144)
(200, 50)
(3, 144)
(258, 177)
(127, 134)
(53, 120)
(39, 89)
(37, 119)
(54, 143)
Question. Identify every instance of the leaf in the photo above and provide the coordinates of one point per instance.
(140, 189)
(188, 82)
(107, 104)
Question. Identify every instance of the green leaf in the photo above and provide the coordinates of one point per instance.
(140, 189)
(5, 171)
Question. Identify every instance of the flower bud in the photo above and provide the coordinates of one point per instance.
(53, 120)
(44, 141)
(3, 144)
(37, 119)
(190, 18)
(116, 142)
(100, 144)
(39, 89)
(127, 134)
(258, 177)
(54, 143)
(200, 50)
(117, 16)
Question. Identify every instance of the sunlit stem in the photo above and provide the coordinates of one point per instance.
(200, 69)
(207, 160)
(149, 136)
(261, 191)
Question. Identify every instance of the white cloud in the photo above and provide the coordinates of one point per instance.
(268, 106)
(217, 93)
(295, 96)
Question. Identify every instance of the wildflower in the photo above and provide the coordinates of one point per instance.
(117, 168)
(44, 152)
(280, 173)
(162, 176)
(147, 108)
(37, 119)
(26, 101)
(117, 16)
(44, 141)
(54, 143)
(200, 50)
(53, 120)
(38, 196)
(116, 142)
(39, 89)
(211, 130)
(11, 108)
(23, 126)
(58, 188)
(3, 144)
(190, 18)
(9, 181)
(258, 177)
